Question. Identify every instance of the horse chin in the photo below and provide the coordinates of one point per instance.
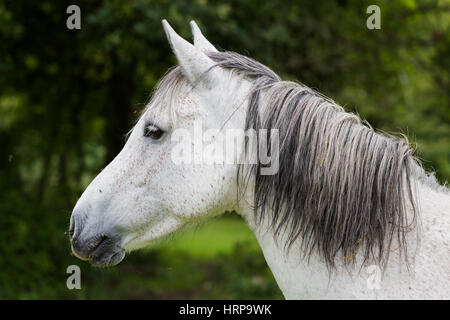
(107, 259)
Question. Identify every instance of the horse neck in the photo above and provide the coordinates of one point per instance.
(300, 277)
(286, 266)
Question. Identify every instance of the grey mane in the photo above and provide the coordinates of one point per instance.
(341, 187)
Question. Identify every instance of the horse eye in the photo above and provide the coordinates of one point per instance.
(152, 131)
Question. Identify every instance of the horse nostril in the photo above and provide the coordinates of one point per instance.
(76, 226)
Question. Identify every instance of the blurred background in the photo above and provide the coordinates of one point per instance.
(67, 98)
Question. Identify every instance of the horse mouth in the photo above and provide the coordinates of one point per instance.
(107, 259)
(101, 252)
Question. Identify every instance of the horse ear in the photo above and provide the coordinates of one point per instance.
(194, 63)
(200, 42)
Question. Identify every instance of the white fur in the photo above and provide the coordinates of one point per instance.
(429, 277)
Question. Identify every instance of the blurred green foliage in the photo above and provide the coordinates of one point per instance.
(67, 98)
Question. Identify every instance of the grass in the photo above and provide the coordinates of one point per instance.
(211, 239)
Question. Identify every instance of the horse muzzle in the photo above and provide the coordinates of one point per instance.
(101, 249)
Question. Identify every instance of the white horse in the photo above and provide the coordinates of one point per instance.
(333, 218)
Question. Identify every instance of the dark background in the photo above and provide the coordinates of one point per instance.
(67, 98)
